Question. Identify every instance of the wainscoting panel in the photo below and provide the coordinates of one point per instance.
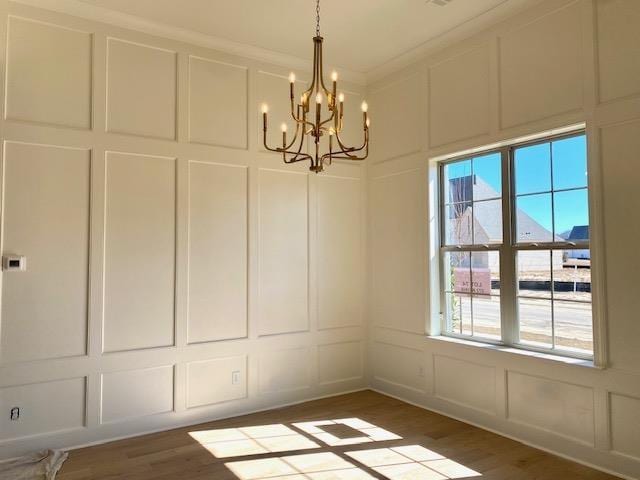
(141, 89)
(340, 361)
(558, 407)
(340, 254)
(136, 393)
(216, 380)
(46, 219)
(541, 71)
(459, 102)
(139, 252)
(58, 91)
(218, 203)
(284, 252)
(284, 370)
(217, 103)
(35, 401)
(468, 384)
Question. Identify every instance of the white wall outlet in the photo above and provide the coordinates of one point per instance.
(235, 377)
(421, 371)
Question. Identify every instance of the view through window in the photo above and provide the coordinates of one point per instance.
(515, 246)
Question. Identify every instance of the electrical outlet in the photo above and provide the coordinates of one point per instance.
(235, 377)
(14, 414)
(421, 371)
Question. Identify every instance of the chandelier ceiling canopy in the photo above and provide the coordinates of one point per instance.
(316, 125)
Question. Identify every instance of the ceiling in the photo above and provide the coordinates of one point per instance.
(361, 35)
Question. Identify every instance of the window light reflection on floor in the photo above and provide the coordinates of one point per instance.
(411, 462)
(403, 462)
(255, 440)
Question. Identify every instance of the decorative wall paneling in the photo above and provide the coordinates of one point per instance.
(174, 268)
(558, 64)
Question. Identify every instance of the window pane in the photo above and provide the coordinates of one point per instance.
(458, 313)
(572, 275)
(569, 162)
(457, 182)
(533, 218)
(487, 176)
(485, 273)
(458, 224)
(535, 322)
(573, 326)
(487, 226)
(486, 316)
(457, 271)
(534, 273)
(571, 214)
(532, 169)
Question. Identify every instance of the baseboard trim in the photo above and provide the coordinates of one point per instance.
(212, 419)
(506, 435)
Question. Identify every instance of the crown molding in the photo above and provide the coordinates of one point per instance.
(470, 27)
(104, 15)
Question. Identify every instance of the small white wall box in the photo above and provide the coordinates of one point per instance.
(14, 263)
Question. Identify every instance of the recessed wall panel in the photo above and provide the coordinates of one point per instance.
(136, 393)
(398, 244)
(340, 361)
(399, 365)
(58, 91)
(554, 406)
(217, 252)
(625, 424)
(216, 380)
(619, 148)
(139, 251)
(459, 97)
(284, 370)
(397, 112)
(35, 402)
(217, 103)
(283, 254)
(46, 219)
(468, 384)
(141, 90)
(541, 68)
(618, 48)
(340, 270)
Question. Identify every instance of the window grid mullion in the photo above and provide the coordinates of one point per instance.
(508, 308)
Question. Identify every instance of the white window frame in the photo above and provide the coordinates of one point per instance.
(508, 249)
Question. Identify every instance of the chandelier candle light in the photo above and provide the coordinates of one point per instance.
(316, 127)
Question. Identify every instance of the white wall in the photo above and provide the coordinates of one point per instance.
(560, 63)
(165, 248)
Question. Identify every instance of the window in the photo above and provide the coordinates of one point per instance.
(514, 246)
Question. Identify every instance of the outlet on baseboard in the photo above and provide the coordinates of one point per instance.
(235, 377)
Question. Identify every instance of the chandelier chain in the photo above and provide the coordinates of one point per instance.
(317, 18)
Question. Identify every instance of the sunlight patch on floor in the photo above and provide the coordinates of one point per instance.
(411, 462)
(315, 466)
(254, 440)
(367, 431)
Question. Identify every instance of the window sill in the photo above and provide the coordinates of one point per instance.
(581, 362)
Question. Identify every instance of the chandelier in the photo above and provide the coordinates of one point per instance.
(314, 125)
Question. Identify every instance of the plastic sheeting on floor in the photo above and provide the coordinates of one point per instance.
(42, 465)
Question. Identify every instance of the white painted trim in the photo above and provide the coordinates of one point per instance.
(502, 434)
(104, 15)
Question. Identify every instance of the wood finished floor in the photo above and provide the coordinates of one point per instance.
(175, 454)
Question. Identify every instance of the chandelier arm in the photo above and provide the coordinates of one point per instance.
(321, 72)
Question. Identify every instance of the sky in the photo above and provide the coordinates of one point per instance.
(557, 169)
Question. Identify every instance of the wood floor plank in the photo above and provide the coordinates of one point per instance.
(451, 446)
